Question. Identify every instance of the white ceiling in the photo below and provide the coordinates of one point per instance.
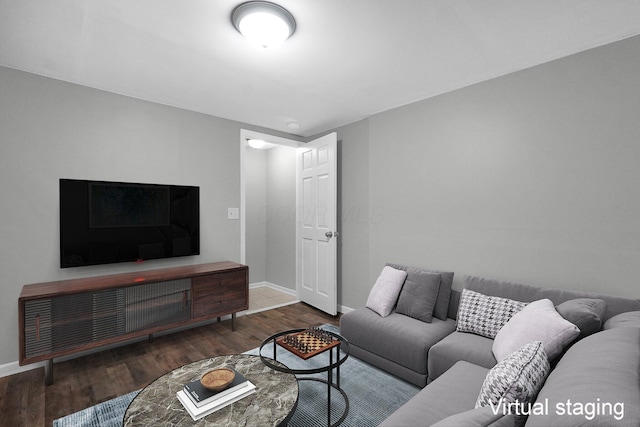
(347, 60)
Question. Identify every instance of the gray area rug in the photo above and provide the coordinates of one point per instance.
(373, 396)
(105, 414)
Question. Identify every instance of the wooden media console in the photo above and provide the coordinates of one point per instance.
(70, 316)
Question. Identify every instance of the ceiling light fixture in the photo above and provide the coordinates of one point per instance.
(256, 143)
(263, 23)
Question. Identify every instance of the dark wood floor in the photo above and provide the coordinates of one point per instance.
(85, 381)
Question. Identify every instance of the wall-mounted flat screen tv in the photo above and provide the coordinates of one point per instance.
(106, 222)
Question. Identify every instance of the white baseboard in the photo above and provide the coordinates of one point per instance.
(13, 368)
(278, 288)
(341, 308)
(282, 289)
(344, 309)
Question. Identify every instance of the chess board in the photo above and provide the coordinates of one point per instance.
(308, 343)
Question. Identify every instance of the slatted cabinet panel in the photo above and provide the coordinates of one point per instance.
(156, 304)
(62, 323)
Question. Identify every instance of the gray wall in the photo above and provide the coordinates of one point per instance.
(255, 212)
(270, 215)
(353, 213)
(281, 218)
(530, 177)
(51, 129)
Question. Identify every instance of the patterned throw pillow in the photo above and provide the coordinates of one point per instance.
(485, 315)
(519, 377)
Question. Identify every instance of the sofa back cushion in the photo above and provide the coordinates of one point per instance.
(628, 319)
(595, 383)
(585, 313)
(528, 293)
(454, 304)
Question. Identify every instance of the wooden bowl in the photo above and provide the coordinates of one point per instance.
(217, 379)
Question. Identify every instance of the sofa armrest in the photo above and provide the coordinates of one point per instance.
(597, 382)
(453, 392)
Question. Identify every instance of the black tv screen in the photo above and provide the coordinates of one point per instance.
(106, 222)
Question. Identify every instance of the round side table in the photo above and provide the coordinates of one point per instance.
(336, 358)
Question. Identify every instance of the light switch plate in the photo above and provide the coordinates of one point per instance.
(233, 213)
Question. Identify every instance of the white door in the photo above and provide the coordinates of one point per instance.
(316, 222)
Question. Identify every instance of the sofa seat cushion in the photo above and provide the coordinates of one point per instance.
(453, 392)
(597, 382)
(397, 337)
(460, 346)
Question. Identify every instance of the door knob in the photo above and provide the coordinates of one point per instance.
(330, 234)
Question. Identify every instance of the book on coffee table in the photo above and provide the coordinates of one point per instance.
(200, 395)
(215, 404)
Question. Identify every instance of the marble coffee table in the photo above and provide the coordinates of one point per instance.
(272, 404)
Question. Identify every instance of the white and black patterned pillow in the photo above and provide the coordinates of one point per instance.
(485, 315)
(518, 378)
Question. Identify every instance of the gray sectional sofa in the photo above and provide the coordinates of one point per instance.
(398, 343)
(595, 381)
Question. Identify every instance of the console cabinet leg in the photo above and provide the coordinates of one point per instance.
(233, 322)
(48, 372)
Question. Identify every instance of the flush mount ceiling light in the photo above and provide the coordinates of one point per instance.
(263, 23)
(256, 143)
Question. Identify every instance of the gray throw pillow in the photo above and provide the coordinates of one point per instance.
(419, 294)
(585, 313)
(441, 310)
